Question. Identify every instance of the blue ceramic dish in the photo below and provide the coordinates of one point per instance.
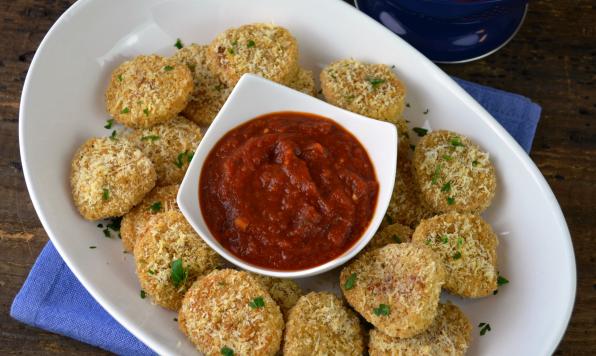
(450, 31)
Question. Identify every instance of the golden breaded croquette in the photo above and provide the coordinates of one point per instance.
(390, 234)
(109, 176)
(209, 93)
(148, 90)
(453, 174)
(229, 310)
(396, 287)
(267, 50)
(169, 257)
(405, 206)
(449, 334)
(285, 292)
(170, 146)
(159, 200)
(371, 90)
(320, 324)
(304, 82)
(468, 247)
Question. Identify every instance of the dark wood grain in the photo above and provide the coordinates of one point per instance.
(551, 61)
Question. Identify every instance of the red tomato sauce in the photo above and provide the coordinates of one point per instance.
(288, 191)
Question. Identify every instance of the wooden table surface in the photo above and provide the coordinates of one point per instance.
(551, 60)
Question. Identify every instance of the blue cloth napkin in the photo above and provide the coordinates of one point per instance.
(53, 299)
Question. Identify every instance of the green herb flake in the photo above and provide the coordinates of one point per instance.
(383, 309)
(484, 328)
(425, 112)
(105, 195)
(457, 255)
(106, 233)
(375, 82)
(109, 124)
(155, 207)
(446, 187)
(428, 241)
(407, 105)
(151, 272)
(258, 302)
(179, 273)
(146, 111)
(445, 239)
(151, 138)
(389, 219)
(114, 224)
(250, 44)
(180, 159)
(450, 200)
(420, 131)
(100, 226)
(396, 238)
(447, 157)
(113, 135)
(168, 68)
(226, 351)
(456, 142)
(350, 282)
(92, 247)
(495, 292)
(502, 280)
(119, 77)
(175, 319)
(474, 163)
(143, 294)
(230, 50)
(178, 44)
(436, 174)
(126, 110)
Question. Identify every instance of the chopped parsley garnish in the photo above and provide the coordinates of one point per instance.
(258, 302)
(250, 43)
(460, 242)
(181, 156)
(450, 200)
(474, 163)
(375, 82)
(109, 124)
(383, 309)
(143, 294)
(113, 135)
(105, 195)
(230, 50)
(435, 176)
(168, 68)
(447, 157)
(456, 142)
(113, 225)
(446, 187)
(92, 247)
(226, 351)
(151, 272)
(175, 319)
(457, 255)
(100, 226)
(179, 273)
(445, 239)
(502, 280)
(126, 110)
(484, 328)
(178, 44)
(396, 238)
(425, 112)
(155, 207)
(495, 292)
(420, 131)
(119, 77)
(151, 138)
(350, 282)
(389, 219)
(106, 233)
(146, 111)
(407, 105)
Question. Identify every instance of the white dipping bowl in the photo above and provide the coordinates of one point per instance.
(254, 96)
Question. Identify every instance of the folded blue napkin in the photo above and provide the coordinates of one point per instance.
(53, 299)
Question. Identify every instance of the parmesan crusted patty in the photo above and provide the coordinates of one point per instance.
(453, 173)
(285, 292)
(229, 310)
(148, 90)
(371, 90)
(390, 234)
(304, 82)
(170, 146)
(167, 238)
(108, 177)
(449, 334)
(396, 287)
(209, 93)
(134, 223)
(468, 247)
(319, 324)
(405, 206)
(263, 49)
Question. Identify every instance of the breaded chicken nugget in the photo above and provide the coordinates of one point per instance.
(148, 90)
(371, 90)
(453, 174)
(170, 146)
(468, 247)
(396, 287)
(319, 324)
(304, 82)
(390, 234)
(405, 206)
(209, 93)
(285, 292)
(169, 257)
(449, 334)
(229, 312)
(263, 49)
(134, 223)
(108, 177)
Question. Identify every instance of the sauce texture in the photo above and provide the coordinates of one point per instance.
(288, 191)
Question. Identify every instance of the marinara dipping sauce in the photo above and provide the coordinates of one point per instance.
(288, 191)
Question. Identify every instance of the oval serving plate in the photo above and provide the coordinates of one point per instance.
(62, 105)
